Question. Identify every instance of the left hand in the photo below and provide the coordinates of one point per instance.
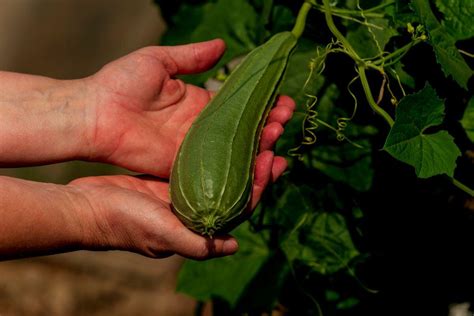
(134, 214)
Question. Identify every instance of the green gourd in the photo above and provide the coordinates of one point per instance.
(212, 176)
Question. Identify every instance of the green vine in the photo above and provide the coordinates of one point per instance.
(378, 63)
(307, 241)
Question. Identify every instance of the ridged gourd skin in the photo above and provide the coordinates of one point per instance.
(212, 176)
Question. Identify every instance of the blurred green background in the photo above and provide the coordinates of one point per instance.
(71, 39)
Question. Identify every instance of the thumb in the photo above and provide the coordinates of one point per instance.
(193, 58)
(191, 245)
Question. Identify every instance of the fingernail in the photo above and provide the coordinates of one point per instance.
(230, 246)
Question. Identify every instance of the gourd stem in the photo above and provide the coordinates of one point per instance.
(301, 20)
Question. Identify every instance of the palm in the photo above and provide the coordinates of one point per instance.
(134, 214)
(145, 111)
(143, 192)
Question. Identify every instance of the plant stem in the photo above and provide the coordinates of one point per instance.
(332, 27)
(301, 19)
(471, 55)
(401, 51)
(337, 11)
(378, 7)
(361, 64)
(350, 18)
(370, 97)
(462, 186)
(367, 12)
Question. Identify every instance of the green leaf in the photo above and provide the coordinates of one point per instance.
(400, 14)
(226, 278)
(346, 163)
(332, 296)
(234, 21)
(370, 41)
(468, 120)
(327, 111)
(322, 242)
(298, 71)
(348, 303)
(458, 17)
(444, 45)
(292, 204)
(399, 72)
(430, 154)
(264, 290)
(283, 19)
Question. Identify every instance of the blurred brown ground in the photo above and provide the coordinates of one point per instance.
(71, 39)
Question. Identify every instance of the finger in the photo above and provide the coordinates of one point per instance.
(212, 94)
(287, 101)
(279, 166)
(263, 174)
(191, 245)
(270, 134)
(283, 110)
(191, 58)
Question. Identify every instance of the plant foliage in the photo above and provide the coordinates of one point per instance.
(380, 147)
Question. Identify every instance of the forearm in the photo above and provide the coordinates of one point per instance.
(40, 218)
(42, 120)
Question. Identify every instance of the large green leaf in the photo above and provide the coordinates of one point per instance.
(430, 154)
(291, 205)
(458, 17)
(226, 278)
(346, 163)
(322, 242)
(443, 44)
(400, 13)
(265, 289)
(468, 120)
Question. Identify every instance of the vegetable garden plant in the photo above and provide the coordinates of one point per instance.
(375, 211)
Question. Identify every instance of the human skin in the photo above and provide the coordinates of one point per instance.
(133, 113)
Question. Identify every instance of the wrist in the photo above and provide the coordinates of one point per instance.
(93, 220)
(73, 104)
(36, 110)
(40, 218)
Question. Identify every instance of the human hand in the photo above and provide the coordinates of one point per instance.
(141, 113)
(134, 214)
